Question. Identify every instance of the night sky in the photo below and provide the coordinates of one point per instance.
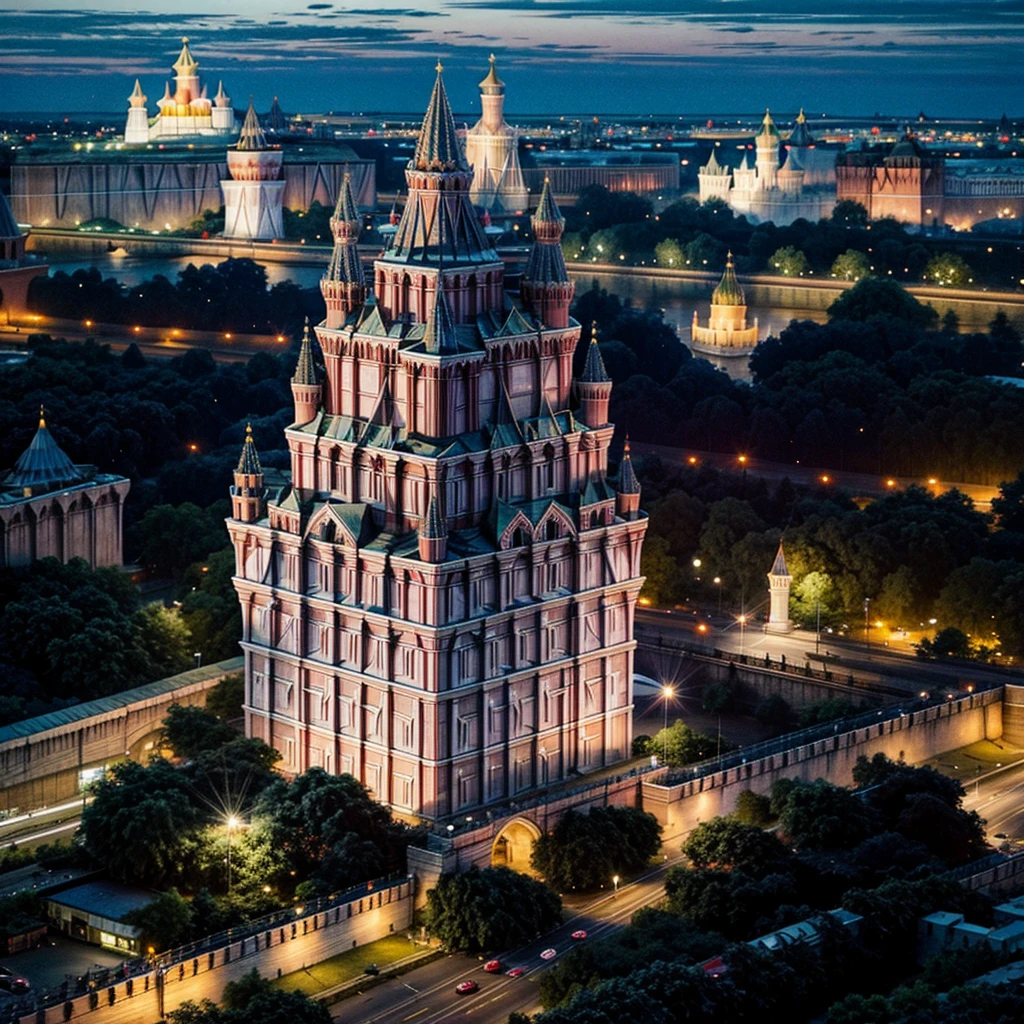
(953, 58)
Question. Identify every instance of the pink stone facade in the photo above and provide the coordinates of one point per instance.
(440, 601)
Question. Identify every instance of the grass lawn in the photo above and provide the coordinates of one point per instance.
(348, 965)
(963, 763)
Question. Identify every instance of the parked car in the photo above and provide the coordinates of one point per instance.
(12, 982)
(466, 988)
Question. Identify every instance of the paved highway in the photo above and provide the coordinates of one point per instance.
(46, 825)
(999, 799)
(427, 995)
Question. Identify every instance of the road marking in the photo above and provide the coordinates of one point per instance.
(410, 988)
(41, 835)
(416, 1014)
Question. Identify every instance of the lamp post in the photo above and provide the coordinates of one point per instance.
(867, 624)
(718, 583)
(233, 823)
(743, 626)
(667, 693)
(817, 632)
(615, 882)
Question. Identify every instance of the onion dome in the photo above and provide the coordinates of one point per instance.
(438, 147)
(492, 85)
(249, 460)
(728, 292)
(768, 129)
(251, 137)
(305, 368)
(593, 370)
(628, 483)
(43, 465)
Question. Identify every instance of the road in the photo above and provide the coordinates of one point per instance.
(427, 995)
(999, 799)
(865, 484)
(46, 825)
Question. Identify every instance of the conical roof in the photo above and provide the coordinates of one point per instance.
(492, 82)
(433, 526)
(346, 208)
(8, 225)
(305, 368)
(186, 64)
(800, 136)
(167, 97)
(43, 465)
(221, 99)
(249, 460)
(779, 565)
(593, 370)
(628, 483)
(712, 166)
(438, 147)
(251, 137)
(439, 337)
(768, 129)
(728, 292)
(547, 211)
(137, 98)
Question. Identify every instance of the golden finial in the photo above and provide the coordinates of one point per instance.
(800, 118)
(42, 416)
(492, 58)
(625, 448)
(184, 39)
(593, 330)
(248, 433)
(440, 66)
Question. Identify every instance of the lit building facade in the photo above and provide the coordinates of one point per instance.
(51, 508)
(440, 601)
(779, 581)
(492, 150)
(187, 111)
(727, 331)
(253, 194)
(803, 186)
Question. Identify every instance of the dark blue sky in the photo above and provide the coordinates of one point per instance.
(949, 57)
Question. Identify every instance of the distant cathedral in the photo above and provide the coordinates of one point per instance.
(492, 150)
(803, 186)
(440, 599)
(727, 333)
(185, 112)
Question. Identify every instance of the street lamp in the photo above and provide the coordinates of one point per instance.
(615, 882)
(667, 692)
(867, 623)
(718, 583)
(233, 823)
(743, 625)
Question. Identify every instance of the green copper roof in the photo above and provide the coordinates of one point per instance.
(439, 337)
(439, 148)
(728, 292)
(768, 129)
(800, 136)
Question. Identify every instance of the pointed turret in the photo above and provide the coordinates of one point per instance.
(433, 532)
(306, 389)
(43, 466)
(439, 338)
(438, 147)
(779, 581)
(137, 98)
(627, 494)
(800, 136)
(768, 129)
(594, 386)
(136, 129)
(767, 143)
(221, 99)
(251, 138)
(167, 100)
(545, 287)
(248, 498)
(276, 119)
(492, 81)
(343, 285)
(186, 65)
(728, 292)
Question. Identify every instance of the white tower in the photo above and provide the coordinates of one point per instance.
(253, 194)
(767, 143)
(137, 127)
(778, 591)
(222, 115)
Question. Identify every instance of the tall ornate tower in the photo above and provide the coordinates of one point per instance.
(253, 194)
(137, 127)
(222, 116)
(248, 498)
(545, 287)
(594, 386)
(343, 285)
(778, 592)
(492, 150)
(441, 601)
(767, 143)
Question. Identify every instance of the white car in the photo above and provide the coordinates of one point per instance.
(549, 954)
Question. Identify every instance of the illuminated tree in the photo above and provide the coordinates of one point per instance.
(789, 262)
(851, 265)
(669, 253)
(949, 270)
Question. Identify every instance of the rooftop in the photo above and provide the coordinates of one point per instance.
(104, 899)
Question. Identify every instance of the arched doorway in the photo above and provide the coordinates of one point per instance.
(513, 845)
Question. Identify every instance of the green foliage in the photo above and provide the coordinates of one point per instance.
(753, 808)
(679, 744)
(492, 909)
(871, 298)
(585, 851)
(818, 815)
(948, 269)
(789, 262)
(226, 698)
(661, 583)
(169, 538)
(730, 844)
(165, 923)
(313, 224)
(253, 1000)
(947, 643)
(668, 254)
(20, 912)
(851, 265)
(189, 730)
(641, 745)
(849, 213)
(1008, 507)
(718, 697)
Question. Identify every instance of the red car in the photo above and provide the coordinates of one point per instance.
(517, 972)
(580, 935)
(466, 988)
(493, 967)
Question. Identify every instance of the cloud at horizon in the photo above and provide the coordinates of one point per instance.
(949, 57)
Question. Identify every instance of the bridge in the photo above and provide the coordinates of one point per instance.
(45, 760)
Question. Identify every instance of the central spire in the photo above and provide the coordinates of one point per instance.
(251, 137)
(439, 148)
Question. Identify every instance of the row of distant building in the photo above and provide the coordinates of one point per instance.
(170, 168)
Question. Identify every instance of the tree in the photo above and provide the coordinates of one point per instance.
(164, 638)
(872, 297)
(190, 730)
(947, 643)
(851, 265)
(1008, 507)
(948, 269)
(850, 214)
(818, 815)
(753, 808)
(165, 923)
(668, 253)
(585, 851)
(731, 844)
(226, 698)
(789, 262)
(490, 909)
(660, 571)
(679, 744)
(253, 1000)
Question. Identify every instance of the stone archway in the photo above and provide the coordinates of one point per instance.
(513, 845)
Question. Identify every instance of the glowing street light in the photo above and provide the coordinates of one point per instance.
(667, 693)
(615, 882)
(232, 824)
